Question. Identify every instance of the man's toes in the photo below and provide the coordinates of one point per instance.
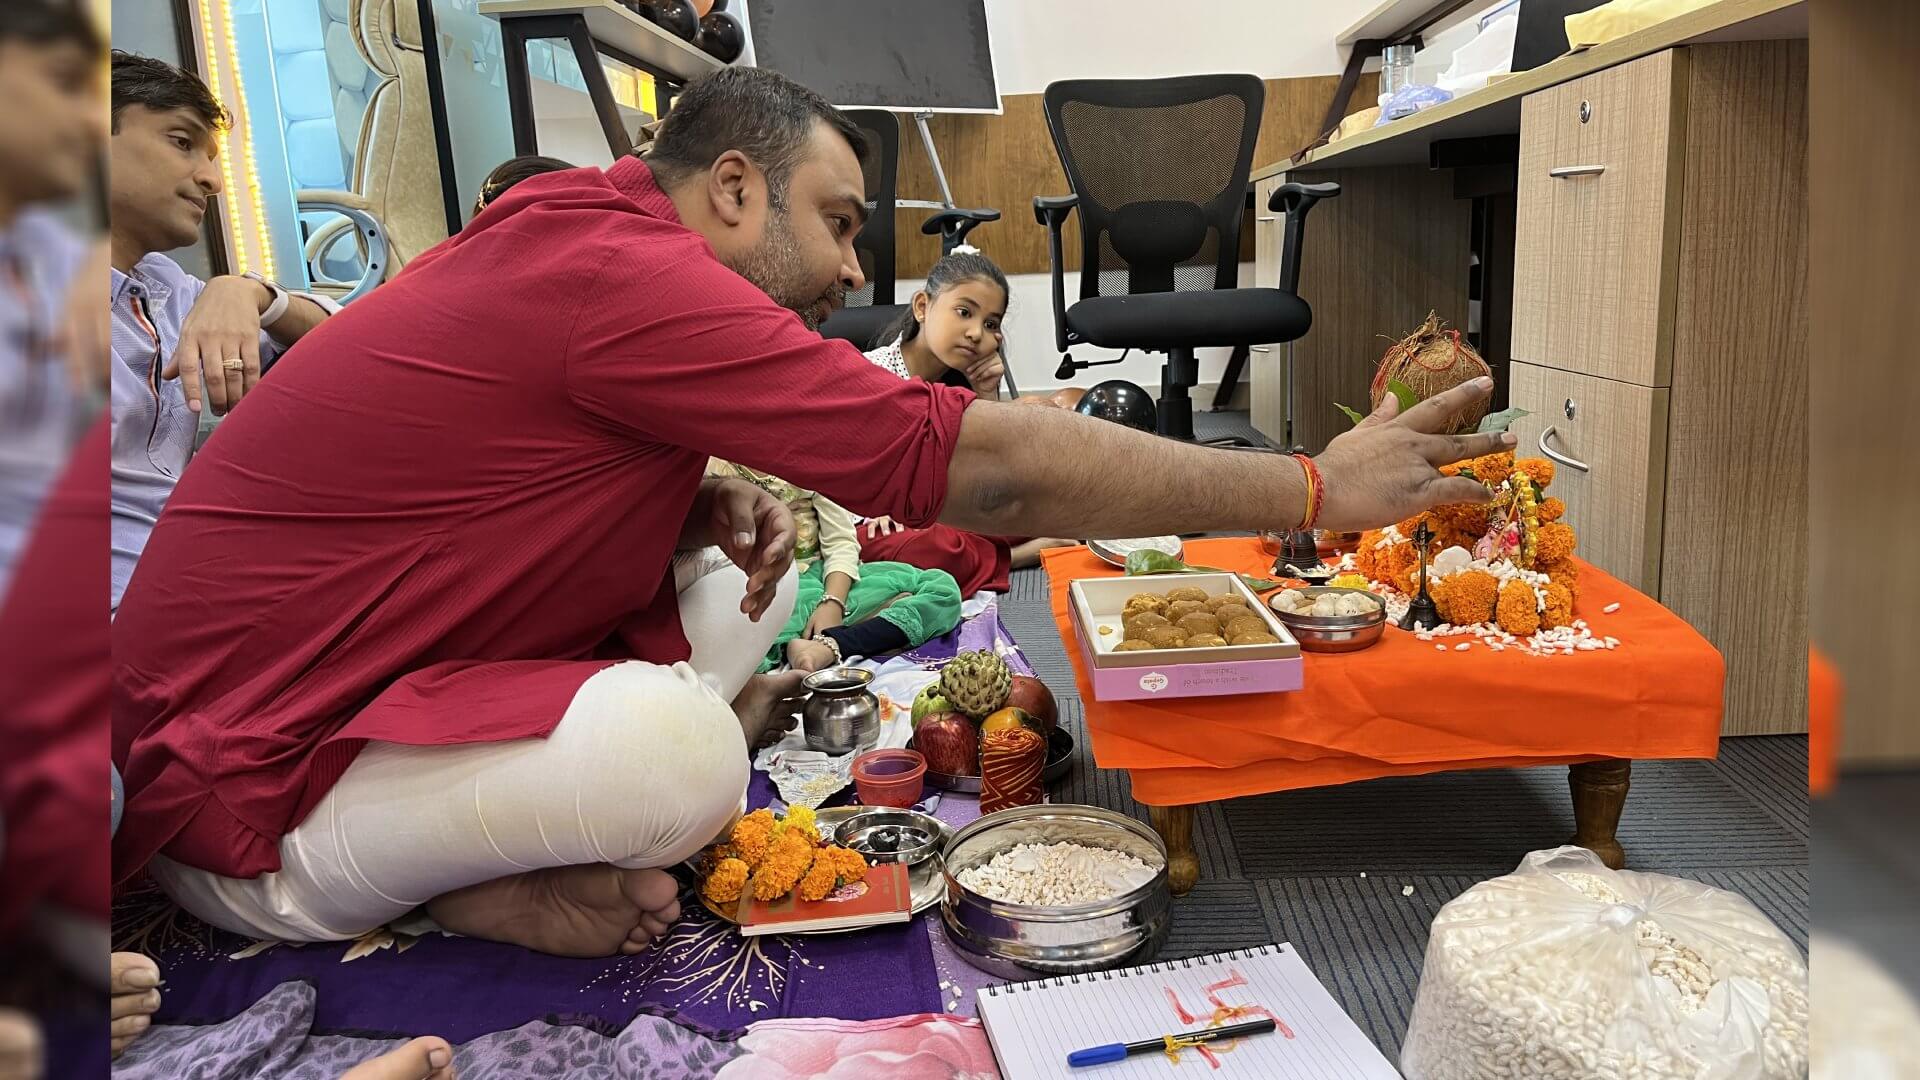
(428, 1058)
(651, 890)
(138, 1003)
(128, 1027)
(129, 972)
(653, 926)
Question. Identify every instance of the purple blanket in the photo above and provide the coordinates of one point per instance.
(704, 975)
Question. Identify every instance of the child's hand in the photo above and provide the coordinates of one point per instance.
(985, 374)
(825, 617)
(883, 526)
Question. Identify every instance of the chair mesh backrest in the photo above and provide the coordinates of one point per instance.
(874, 245)
(1160, 166)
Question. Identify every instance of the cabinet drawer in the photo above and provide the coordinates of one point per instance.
(1618, 432)
(1597, 221)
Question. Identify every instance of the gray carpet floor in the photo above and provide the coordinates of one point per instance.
(1287, 866)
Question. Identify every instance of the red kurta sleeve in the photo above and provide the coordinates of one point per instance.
(716, 366)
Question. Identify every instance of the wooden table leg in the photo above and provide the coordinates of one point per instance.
(1599, 793)
(1175, 825)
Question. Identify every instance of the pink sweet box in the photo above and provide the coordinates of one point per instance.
(1096, 605)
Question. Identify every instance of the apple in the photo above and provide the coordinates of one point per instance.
(1032, 695)
(950, 743)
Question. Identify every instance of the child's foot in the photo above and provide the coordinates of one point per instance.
(805, 654)
(428, 1058)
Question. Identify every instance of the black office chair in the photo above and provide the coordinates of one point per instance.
(872, 309)
(1159, 173)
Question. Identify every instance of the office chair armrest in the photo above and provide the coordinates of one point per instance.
(1052, 211)
(1297, 200)
(952, 225)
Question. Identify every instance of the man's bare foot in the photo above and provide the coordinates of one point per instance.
(133, 983)
(806, 655)
(428, 1058)
(593, 910)
(765, 707)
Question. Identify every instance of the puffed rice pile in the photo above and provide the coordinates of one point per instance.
(1516, 988)
(1559, 641)
(1055, 875)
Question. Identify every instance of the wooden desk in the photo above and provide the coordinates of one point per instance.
(1639, 211)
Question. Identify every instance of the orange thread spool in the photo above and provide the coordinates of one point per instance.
(1010, 766)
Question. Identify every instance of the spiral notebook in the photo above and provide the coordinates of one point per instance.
(1034, 1026)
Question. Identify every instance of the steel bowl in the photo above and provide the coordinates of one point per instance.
(1333, 543)
(890, 836)
(1346, 633)
(1025, 941)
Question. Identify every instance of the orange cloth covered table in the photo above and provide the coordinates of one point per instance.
(1404, 707)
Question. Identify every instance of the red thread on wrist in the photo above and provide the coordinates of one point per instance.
(1316, 491)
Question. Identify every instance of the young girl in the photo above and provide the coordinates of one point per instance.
(846, 607)
(951, 334)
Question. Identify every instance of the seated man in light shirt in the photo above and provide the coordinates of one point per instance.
(180, 345)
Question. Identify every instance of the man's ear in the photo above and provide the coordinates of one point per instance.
(730, 181)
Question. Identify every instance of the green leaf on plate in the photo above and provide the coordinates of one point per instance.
(1352, 414)
(1145, 563)
(1408, 399)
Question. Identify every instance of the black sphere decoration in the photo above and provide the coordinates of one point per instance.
(675, 16)
(721, 37)
(642, 8)
(1121, 402)
(718, 5)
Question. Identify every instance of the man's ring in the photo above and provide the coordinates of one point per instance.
(234, 364)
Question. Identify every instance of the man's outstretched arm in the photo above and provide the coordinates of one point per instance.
(1043, 472)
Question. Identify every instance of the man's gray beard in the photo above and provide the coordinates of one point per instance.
(777, 269)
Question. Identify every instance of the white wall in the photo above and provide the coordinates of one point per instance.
(1036, 42)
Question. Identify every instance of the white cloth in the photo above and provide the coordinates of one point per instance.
(646, 767)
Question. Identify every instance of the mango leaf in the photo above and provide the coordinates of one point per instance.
(1352, 414)
(1493, 423)
(1408, 399)
(1146, 563)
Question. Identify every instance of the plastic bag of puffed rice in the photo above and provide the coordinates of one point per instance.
(1566, 969)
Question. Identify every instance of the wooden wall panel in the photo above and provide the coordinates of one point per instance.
(1864, 494)
(1004, 161)
(1391, 248)
(1737, 459)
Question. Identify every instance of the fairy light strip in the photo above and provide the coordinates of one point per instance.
(250, 250)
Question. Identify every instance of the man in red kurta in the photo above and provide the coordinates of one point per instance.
(409, 631)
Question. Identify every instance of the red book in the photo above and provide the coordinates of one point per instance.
(885, 896)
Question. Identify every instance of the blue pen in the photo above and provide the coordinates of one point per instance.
(1101, 1055)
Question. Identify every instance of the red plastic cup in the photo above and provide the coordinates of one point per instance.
(890, 777)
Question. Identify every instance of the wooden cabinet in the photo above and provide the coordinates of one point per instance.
(1660, 295)
(1608, 441)
(1597, 221)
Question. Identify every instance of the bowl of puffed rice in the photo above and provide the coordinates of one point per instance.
(1055, 889)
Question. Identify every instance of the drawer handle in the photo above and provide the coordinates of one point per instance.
(1262, 348)
(1556, 455)
(1269, 217)
(1565, 171)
